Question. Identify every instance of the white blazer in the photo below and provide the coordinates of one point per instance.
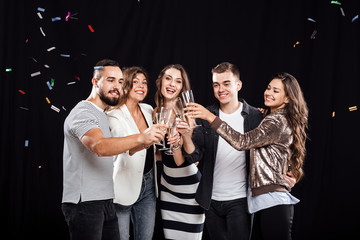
(128, 170)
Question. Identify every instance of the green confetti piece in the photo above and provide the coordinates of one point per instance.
(8, 70)
(336, 2)
(52, 82)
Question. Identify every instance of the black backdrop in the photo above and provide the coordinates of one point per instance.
(258, 36)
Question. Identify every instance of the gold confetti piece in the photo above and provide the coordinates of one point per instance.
(333, 114)
(354, 108)
(296, 43)
(39, 166)
(47, 100)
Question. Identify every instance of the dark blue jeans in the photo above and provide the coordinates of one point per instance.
(228, 220)
(91, 220)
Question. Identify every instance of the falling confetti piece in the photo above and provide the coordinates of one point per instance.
(55, 19)
(55, 108)
(47, 66)
(335, 2)
(39, 166)
(35, 74)
(77, 78)
(311, 20)
(41, 9)
(8, 70)
(49, 85)
(342, 12)
(297, 43)
(48, 101)
(52, 82)
(91, 29)
(42, 32)
(65, 55)
(98, 67)
(67, 17)
(354, 18)
(354, 108)
(50, 49)
(40, 16)
(26, 143)
(64, 108)
(69, 83)
(22, 92)
(333, 114)
(313, 34)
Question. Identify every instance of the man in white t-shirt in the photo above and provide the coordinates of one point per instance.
(222, 189)
(88, 190)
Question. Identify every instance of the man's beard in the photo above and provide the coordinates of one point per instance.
(107, 100)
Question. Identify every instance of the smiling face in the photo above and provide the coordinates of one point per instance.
(275, 96)
(109, 86)
(139, 88)
(171, 84)
(226, 87)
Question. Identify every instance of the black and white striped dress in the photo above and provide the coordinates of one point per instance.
(182, 216)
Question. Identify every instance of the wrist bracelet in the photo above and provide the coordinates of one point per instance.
(177, 146)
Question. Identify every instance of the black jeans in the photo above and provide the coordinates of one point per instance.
(228, 220)
(273, 223)
(92, 220)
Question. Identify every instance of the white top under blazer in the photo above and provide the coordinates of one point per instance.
(128, 170)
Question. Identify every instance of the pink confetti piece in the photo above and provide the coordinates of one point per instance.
(22, 92)
(67, 17)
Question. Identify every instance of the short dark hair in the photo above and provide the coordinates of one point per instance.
(226, 66)
(104, 63)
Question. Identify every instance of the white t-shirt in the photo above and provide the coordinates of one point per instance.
(230, 166)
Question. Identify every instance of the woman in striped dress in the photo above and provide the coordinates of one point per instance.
(182, 217)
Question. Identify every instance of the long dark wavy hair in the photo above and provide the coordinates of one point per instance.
(159, 98)
(297, 115)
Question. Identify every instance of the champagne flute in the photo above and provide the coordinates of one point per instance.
(178, 107)
(157, 121)
(171, 131)
(188, 97)
(164, 118)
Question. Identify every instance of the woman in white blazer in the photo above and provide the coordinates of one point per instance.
(134, 174)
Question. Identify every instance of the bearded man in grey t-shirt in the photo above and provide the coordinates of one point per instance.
(88, 191)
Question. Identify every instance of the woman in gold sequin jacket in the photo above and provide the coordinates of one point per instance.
(276, 146)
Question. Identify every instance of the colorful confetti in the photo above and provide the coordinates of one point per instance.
(47, 66)
(8, 70)
(333, 114)
(41, 9)
(55, 19)
(313, 34)
(355, 18)
(49, 85)
(22, 92)
(35, 74)
(67, 17)
(52, 82)
(24, 108)
(26, 143)
(311, 20)
(65, 55)
(50, 49)
(354, 108)
(335, 2)
(98, 67)
(342, 12)
(69, 83)
(297, 43)
(42, 32)
(40, 16)
(55, 108)
(47, 99)
(91, 29)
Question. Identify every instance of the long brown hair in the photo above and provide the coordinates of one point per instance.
(297, 115)
(159, 98)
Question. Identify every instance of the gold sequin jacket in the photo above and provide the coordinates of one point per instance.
(269, 146)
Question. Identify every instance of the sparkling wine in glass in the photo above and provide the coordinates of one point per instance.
(164, 118)
(171, 132)
(188, 97)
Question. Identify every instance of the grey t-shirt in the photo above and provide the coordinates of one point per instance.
(87, 177)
